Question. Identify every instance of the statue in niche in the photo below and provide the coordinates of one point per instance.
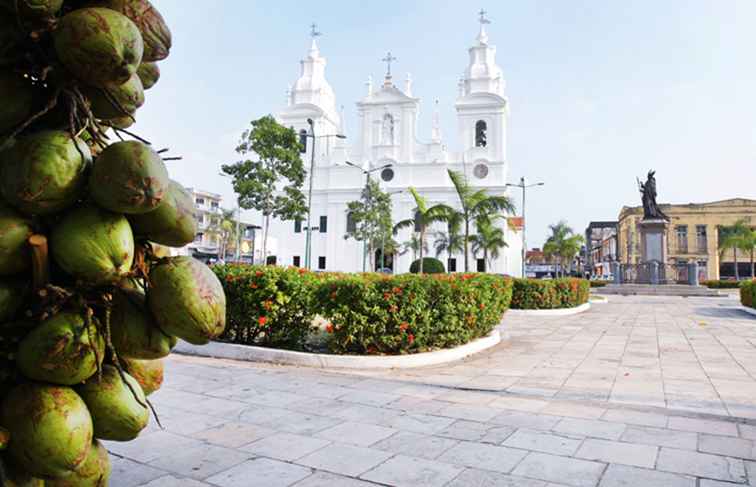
(651, 210)
(387, 130)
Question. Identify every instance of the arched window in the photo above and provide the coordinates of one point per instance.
(480, 133)
(302, 141)
(351, 224)
(418, 216)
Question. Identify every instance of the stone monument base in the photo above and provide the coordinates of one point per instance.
(653, 236)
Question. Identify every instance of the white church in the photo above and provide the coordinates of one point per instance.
(388, 135)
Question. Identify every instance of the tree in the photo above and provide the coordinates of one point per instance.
(489, 239)
(414, 245)
(224, 227)
(270, 181)
(450, 241)
(370, 218)
(750, 247)
(424, 217)
(736, 237)
(476, 204)
(562, 245)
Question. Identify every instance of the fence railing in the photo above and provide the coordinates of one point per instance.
(658, 273)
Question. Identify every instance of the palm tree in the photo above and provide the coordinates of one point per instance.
(450, 241)
(424, 217)
(223, 227)
(735, 237)
(563, 244)
(489, 239)
(413, 244)
(476, 204)
(750, 246)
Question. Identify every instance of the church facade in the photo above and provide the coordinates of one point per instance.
(389, 146)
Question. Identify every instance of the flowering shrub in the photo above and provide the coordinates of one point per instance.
(748, 293)
(721, 284)
(268, 305)
(598, 283)
(373, 314)
(551, 294)
(430, 266)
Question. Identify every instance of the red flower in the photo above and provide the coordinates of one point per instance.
(482, 306)
(259, 273)
(333, 295)
(397, 290)
(229, 278)
(329, 327)
(253, 285)
(262, 320)
(410, 338)
(302, 271)
(404, 326)
(386, 296)
(267, 304)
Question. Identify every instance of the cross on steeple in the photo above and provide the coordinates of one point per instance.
(483, 20)
(388, 59)
(314, 31)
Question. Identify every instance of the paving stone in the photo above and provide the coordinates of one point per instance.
(714, 483)
(497, 435)
(543, 442)
(285, 446)
(635, 417)
(526, 420)
(573, 410)
(171, 481)
(325, 479)
(465, 411)
(747, 431)
(625, 476)
(419, 423)
(465, 430)
(591, 427)
(359, 434)
(617, 452)
(414, 444)
(149, 447)
(472, 477)
(406, 471)
(260, 472)
(346, 460)
(368, 398)
(487, 457)
(199, 462)
(233, 434)
(302, 424)
(127, 473)
(568, 471)
(727, 445)
(661, 437)
(701, 465)
(703, 426)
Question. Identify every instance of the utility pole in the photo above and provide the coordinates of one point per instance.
(523, 186)
(367, 173)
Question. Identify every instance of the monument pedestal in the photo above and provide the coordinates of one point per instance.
(653, 236)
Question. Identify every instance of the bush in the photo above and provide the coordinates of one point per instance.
(721, 284)
(552, 294)
(375, 314)
(748, 293)
(267, 305)
(598, 283)
(430, 266)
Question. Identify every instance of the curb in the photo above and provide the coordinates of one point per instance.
(550, 312)
(748, 310)
(598, 300)
(249, 353)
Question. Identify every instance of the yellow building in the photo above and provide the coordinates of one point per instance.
(692, 235)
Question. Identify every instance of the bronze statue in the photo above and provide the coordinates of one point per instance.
(651, 209)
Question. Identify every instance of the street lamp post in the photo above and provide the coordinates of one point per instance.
(523, 186)
(308, 237)
(383, 238)
(367, 173)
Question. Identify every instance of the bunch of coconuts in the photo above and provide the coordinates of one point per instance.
(90, 300)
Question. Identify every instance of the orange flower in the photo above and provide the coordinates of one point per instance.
(482, 306)
(410, 338)
(253, 285)
(334, 294)
(302, 271)
(386, 296)
(267, 304)
(259, 273)
(329, 327)
(397, 290)
(262, 320)
(393, 308)
(404, 326)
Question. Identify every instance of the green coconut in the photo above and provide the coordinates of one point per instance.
(93, 245)
(44, 172)
(149, 73)
(17, 94)
(61, 350)
(94, 472)
(4, 438)
(172, 223)
(15, 231)
(10, 37)
(50, 427)
(149, 373)
(33, 10)
(99, 46)
(116, 100)
(121, 122)
(129, 177)
(155, 32)
(17, 477)
(119, 411)
(187, 300)
(12, 292)
(133, 331)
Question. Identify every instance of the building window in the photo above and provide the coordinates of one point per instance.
(701, 243)
(323, 224)
(418, 217)
(321, 263)
(199, 201)
(297, 226)
(214, 205)
(297, 261)
(481, 130)
(452, 265)
(302, 141)
(682, 238)
(351, 225)
(481, 265)
(198, 238)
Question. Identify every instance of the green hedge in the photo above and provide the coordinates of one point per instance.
(411, 313)
(598, 283)
(722, 284)
(748, 293)
(549, 294)
(430, 266)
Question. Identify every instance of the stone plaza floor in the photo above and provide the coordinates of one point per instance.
(642, 391)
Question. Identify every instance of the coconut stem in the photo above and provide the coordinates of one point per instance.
(40, 261)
